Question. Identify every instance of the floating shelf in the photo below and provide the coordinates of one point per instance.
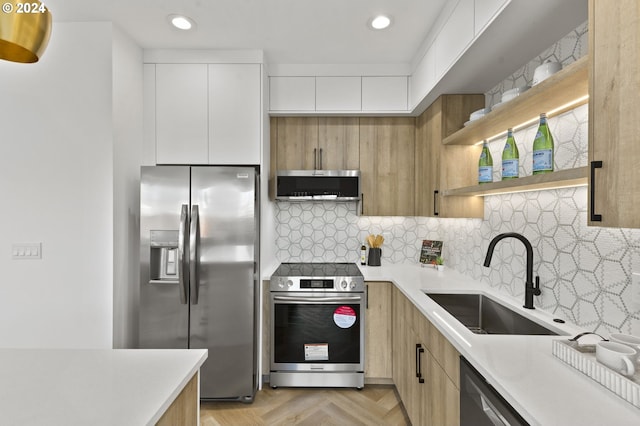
(563, 91)
(560, 179)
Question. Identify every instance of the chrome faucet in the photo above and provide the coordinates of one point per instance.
(529, 289)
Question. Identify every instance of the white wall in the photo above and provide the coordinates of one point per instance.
(56, 187)
(127, 141)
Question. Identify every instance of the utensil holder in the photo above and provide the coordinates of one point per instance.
(374, 256)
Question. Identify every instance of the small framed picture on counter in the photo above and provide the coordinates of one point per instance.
(431, 249)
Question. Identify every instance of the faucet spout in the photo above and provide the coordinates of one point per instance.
(530, 289)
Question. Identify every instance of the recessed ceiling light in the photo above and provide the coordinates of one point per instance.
(182, 22)
(380, 22)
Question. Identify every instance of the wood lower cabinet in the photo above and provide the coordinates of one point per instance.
(421, 352)
(614, 128)
(377, 365)
(440, 167)
(387, 150)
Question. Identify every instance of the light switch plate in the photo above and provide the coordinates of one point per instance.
(23, 251)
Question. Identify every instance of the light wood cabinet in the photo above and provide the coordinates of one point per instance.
(377, 365)
(614, 128)
(423, 350)
(387, 149)
(439, 167)
(309, 143)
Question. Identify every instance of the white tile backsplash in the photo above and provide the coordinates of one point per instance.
(585, 272)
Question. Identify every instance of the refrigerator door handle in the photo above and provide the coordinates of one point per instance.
(194, 246)
(183, 266)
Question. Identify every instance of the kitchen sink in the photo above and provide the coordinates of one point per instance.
(483, 315)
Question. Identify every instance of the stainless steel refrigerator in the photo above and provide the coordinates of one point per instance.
(199, 266)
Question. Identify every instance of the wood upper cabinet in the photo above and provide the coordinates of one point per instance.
(387, 149)
(377, 364)
(308, 143)
(614, 127)
(440, 167)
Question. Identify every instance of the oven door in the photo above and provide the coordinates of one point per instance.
(317, 331)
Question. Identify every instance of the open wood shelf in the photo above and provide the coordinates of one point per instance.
(563, 91)
(559, 179)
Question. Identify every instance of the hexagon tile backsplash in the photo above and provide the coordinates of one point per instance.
(585, 272)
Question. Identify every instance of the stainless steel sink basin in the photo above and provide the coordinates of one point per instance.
(483, 315)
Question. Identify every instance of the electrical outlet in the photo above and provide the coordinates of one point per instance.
(635, 289)
(22, 251)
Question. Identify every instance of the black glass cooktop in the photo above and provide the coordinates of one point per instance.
(318, 270)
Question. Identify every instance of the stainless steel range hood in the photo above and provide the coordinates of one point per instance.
(318, 185)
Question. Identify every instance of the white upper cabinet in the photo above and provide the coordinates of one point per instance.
(234, 113)
(455, 36)
(384, 93)
(424, 77)
(338, 94)
(292, 93)
(203, 113)
(485, 11)
(182, 129)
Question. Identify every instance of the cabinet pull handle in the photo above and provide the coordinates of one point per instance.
(361, 203)
(435, 200)
(320, 158)
(367, 296)
(419, 350)
(594, 217)
(315, 159)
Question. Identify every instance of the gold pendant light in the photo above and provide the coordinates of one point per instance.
(25, 28)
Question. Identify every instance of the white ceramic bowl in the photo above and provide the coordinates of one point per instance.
(514, 93)
(617, 357)
(545, 71)
(478, 114)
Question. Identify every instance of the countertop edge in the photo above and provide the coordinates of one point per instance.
(204, 354)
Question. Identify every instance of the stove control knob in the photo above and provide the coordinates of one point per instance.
(343, 284)
(289, 283)
(352, 286)
(281, 283)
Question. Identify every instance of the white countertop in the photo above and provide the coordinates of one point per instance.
(92, 387)
(543, 389)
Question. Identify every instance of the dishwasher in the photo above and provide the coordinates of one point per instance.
(481, 404)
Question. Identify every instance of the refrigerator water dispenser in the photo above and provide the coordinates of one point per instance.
(164, 256)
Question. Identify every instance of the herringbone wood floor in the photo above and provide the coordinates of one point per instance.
(374, 405)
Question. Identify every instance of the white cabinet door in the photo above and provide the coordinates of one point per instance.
(455, 36)
(181, 114)
(423, 78)
(384, 93)
(292, 93)
(485, 11)
(234, 113)
(338, 94)
(149, 115)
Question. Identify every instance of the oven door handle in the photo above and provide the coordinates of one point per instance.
(313, 299)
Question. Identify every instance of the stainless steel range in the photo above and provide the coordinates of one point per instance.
(317, 325)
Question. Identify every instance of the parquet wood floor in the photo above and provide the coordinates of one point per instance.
(374, 405)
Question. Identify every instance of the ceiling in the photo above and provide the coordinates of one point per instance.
(289, 31)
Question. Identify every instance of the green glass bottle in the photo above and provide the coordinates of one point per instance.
(510, 158)
(543, 148)
(485, 165)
